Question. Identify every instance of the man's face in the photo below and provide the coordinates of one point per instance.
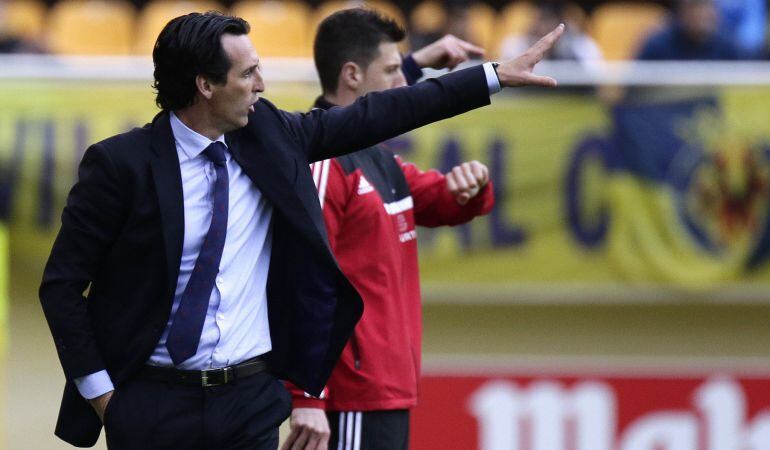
(232, 101)
(384, 72)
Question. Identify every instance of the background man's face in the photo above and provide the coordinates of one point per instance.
(699, 19)
(232, 101)
(384, 72)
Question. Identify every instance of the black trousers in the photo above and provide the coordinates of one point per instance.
(245, 414)
(369, 430)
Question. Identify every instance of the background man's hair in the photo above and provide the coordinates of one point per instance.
(351, 35)
(189, 46)
(684, 3)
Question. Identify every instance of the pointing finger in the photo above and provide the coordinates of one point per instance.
(545, 43)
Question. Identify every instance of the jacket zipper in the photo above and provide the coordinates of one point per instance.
(356, 354)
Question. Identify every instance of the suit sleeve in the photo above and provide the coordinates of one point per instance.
(91, 221)
(333, 191)
(435, 206)
(379, 116)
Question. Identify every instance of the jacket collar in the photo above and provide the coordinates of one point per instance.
(322, 103)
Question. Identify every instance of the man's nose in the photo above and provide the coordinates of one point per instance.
(259, 84)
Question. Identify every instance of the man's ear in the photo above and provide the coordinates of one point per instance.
(204, 86)
(351, 76)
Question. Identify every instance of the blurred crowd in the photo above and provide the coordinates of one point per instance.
(610, 30)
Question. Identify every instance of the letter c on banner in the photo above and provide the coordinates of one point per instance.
(589, 231)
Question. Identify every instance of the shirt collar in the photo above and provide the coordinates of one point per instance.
(191, 142)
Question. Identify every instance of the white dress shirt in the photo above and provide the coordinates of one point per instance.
(236, 326)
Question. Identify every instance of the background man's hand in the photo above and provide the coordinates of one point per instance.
(447, 52)
(100, 404)
(518, 71)
(466, 180)
(309, 430)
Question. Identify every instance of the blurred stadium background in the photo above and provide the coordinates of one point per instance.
(617, 298)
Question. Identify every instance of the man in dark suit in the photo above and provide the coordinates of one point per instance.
(200, 241)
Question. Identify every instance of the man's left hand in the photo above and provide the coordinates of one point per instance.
(467, 180)
(309, 430)
(447, 52)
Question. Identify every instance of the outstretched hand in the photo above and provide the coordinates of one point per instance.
(447, 52)
(518, 71)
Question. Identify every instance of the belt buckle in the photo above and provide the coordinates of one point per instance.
(227, 376)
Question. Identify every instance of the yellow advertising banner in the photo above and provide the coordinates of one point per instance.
(672, 192)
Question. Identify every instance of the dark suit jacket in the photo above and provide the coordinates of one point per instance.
(123, 226)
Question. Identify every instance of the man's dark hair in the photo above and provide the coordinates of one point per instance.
(351, 35)
(189, 46)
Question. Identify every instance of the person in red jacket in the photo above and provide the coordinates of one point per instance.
(371, 202)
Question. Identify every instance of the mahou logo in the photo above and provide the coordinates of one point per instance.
(548, 415)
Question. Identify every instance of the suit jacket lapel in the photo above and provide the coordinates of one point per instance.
(168, 184)
(275, 174)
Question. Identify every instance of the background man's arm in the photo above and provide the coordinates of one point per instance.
(446, 53)
(308, 423)
(457, 197)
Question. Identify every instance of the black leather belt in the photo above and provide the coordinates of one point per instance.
(204, 378)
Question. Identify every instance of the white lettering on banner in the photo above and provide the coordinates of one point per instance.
(663, 431)
(723, 406)
(548, 416)
(546, 409)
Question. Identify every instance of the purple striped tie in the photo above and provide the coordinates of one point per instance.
(185, 332)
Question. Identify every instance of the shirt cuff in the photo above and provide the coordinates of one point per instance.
(493, 82)
(94, 385)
